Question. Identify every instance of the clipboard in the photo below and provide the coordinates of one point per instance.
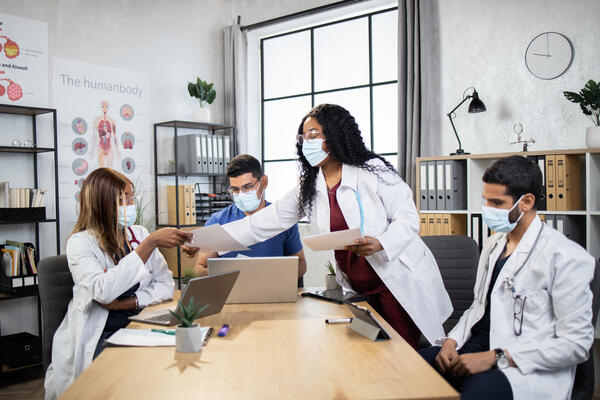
(365, 323)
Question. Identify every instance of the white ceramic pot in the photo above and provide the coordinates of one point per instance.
(331, 283)
(592, 137)
(202, 114)
(188, 340)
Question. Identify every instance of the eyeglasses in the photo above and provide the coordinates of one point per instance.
(309, 135)
(234, 191)
(518, 309)
(130, 198)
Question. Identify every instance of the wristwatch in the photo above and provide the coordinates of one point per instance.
(501, 359)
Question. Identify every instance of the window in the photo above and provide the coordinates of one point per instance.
(351, 62)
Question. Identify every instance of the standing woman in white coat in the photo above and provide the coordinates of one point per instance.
(117, 270)
(344, 185)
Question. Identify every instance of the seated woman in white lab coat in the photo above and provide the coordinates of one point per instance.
(344, 185)
(117, 270)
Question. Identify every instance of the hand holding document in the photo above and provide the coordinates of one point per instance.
(214, 238)
(332, 240)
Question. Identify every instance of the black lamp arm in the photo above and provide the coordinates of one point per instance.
(452, 122)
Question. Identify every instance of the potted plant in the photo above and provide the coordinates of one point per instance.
(188, 336)
(186, 277)
(588, 99)
(330, 278)
(206, 94)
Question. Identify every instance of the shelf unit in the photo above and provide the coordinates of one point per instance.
(178, 128)
(478, 163)
(33, 152)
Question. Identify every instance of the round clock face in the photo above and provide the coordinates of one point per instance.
(549, 55)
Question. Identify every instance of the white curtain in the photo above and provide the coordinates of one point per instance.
(235, 66)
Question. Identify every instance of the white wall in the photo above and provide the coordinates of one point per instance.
(483, 44)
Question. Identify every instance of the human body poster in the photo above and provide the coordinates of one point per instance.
(23, 61)
(103, 121)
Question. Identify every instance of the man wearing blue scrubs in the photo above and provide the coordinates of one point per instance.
(247, 185)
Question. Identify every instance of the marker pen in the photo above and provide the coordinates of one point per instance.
(223, 331)
(338, 320)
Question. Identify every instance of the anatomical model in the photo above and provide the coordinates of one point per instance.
(107, 145)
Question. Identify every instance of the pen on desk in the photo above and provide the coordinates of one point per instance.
(207, 336)
(338, 320)
(165, 331)
(223, 331)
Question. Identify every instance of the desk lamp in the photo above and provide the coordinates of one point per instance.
(476, 106)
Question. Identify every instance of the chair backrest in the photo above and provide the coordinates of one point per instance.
(457, 257)
(583, 387)
(56, 291)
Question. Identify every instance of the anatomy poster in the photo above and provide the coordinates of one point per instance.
(103, 121)
(23, 61)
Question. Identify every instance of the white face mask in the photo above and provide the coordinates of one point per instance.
(127, 215)
(497, 218)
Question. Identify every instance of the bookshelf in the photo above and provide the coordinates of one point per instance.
(176, 164)
(14, 219)
(588, 214)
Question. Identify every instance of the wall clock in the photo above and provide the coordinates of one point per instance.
(549, 55)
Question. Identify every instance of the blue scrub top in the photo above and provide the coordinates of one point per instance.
(286, 243)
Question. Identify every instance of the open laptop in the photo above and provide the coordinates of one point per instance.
(262, 279)
(212, 290)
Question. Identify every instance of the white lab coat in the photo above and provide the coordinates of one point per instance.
(557, 329)
(405, 264)
(96, 277)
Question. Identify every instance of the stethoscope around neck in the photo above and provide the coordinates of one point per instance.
(508, 282)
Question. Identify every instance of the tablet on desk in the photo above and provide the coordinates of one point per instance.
(336, 295)
(366, 324)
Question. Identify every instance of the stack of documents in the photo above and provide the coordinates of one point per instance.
(333, 240)
(147, 338)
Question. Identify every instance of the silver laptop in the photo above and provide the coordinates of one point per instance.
(212, 290)
(262, 279)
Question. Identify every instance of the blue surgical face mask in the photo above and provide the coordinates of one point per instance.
(313, 151)
(497, 218)
(130, 211)
(247, 202)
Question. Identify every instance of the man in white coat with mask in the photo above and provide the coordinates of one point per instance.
(530, 323)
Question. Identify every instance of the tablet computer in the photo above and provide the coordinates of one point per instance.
(365, 323)
(336, 295)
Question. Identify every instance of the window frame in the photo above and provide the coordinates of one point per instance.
(370, 85)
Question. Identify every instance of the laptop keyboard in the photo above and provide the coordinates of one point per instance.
(160, 318)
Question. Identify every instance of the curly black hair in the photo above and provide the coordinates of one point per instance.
(345, 144)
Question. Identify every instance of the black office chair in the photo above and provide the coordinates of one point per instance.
(56, 291)
(457, 258)
(583, 387)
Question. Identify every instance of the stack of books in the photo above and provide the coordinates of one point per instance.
(21, 197)
(18, 258)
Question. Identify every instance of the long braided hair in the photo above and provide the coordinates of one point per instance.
(345, 144)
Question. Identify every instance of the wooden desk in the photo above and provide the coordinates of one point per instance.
(272, 351)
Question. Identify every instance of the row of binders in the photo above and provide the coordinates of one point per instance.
(203, 154)
(443, 224)
(18, 258)
(572, 226)
(185, 208)
(21, 197)
(443, 185)
(562, 182)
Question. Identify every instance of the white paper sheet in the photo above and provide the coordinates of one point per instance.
(333, 240)
(214, 238)
(139, 337)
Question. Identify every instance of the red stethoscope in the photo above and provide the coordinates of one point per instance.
(133, 239)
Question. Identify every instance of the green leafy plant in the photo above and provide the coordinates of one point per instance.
(187, 276)
(588, 99)
(189, 313)
(142, 203)
(330, 268)
(203, 91)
